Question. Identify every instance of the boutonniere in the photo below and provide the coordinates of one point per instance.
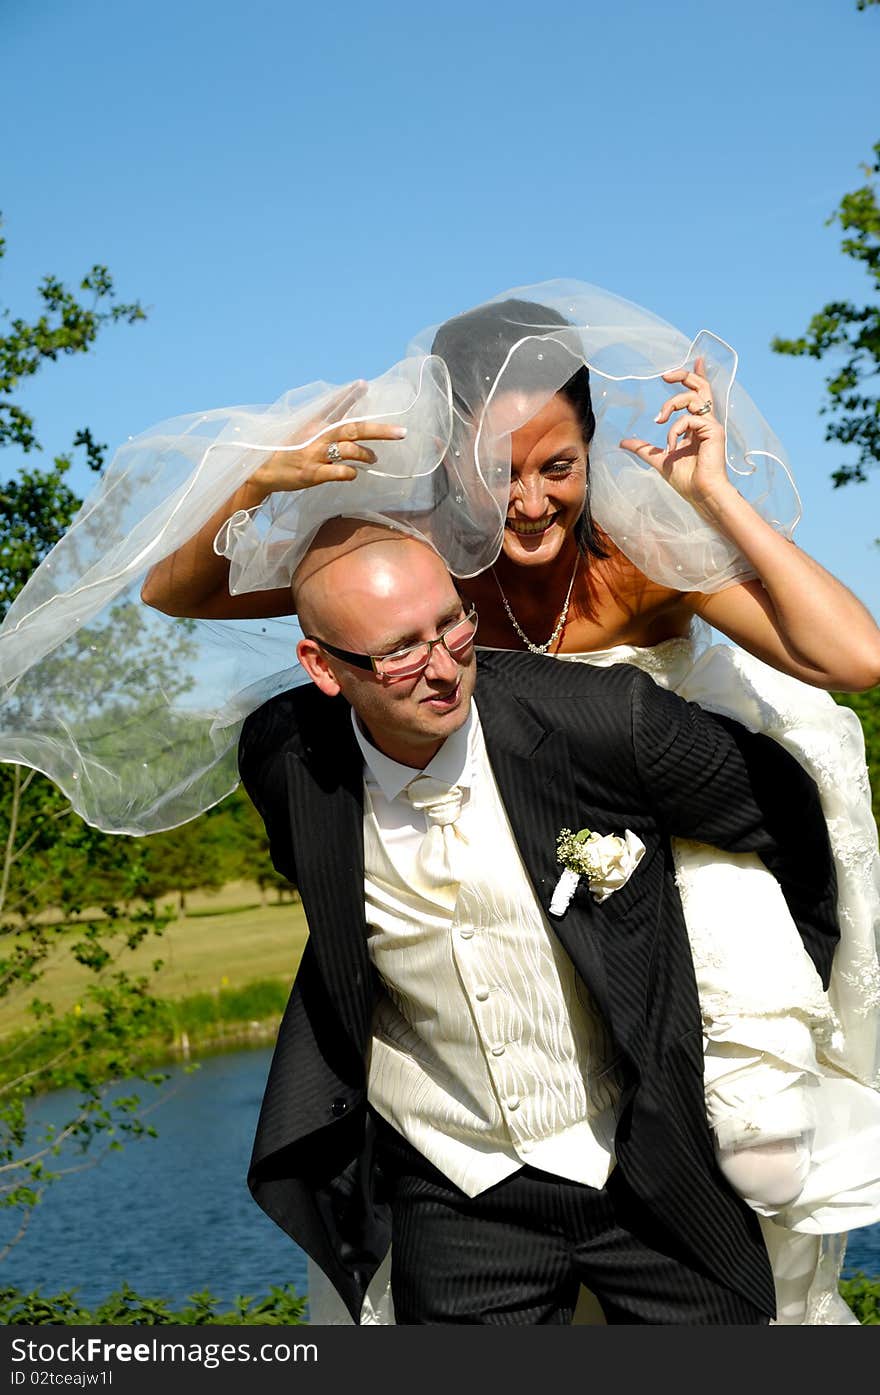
(606, 861)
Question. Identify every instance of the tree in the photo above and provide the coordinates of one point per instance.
(853, 331)
(240, 836)
(183, 859)
(867, 708)
(36, 508)
(52, 865)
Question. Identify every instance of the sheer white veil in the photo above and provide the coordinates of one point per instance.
(136, 715)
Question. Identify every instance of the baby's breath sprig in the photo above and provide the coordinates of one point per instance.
(573, 850)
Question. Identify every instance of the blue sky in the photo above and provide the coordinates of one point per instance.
(294, 191)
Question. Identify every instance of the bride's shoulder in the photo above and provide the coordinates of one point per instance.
(618, 604)
(619, 577)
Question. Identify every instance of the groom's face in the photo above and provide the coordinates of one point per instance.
(376, 601)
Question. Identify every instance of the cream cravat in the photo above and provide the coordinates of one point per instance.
(441, 852)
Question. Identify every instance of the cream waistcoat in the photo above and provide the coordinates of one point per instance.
(487, 1051)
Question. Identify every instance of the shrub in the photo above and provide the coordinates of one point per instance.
(863, 1296)
(281, 1307)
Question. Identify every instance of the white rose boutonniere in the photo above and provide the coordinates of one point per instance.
(606, 861)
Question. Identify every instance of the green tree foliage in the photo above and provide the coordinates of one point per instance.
(850, 334)
(241, 835)
(38, 504)
(867, 708)
(226, 844)
(61, 882)
(185, 859)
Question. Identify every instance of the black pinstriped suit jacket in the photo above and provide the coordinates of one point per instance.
(570, 746)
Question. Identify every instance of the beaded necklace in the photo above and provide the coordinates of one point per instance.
(560, 623)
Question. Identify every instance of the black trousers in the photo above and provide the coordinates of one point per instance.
(518, 1253)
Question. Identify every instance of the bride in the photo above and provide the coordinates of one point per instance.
(517, 438)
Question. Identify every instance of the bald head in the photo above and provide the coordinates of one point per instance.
(366, 591)
(352, 561)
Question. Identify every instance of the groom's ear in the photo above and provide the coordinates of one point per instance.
(317, 665)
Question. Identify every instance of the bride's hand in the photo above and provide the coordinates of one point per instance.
(692, 460)
(331, 455)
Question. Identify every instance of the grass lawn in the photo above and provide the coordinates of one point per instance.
(226, 940)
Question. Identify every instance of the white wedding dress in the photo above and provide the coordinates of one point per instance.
(760, 994)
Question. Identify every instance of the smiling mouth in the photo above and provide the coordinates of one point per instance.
(445, 699)
(525, 528)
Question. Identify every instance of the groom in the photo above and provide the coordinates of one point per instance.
(515, 1097)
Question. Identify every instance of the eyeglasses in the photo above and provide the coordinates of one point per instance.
(456, 639)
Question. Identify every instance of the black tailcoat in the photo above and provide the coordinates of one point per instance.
(571, 747)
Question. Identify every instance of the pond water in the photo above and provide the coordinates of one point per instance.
(170, 1215)
(173, 1215)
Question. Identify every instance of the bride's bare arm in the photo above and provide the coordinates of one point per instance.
(194, 580)
(796, 616)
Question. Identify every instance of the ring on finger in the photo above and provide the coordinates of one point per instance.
(334, 454)
(704, 410)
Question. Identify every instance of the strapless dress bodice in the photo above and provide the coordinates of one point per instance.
(668, 662)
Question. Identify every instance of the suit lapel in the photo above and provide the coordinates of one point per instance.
(532, 767)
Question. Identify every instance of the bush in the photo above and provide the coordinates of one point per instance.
(863, 1296)
(282, 1307)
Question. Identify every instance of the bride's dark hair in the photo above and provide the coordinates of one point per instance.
(475, 346)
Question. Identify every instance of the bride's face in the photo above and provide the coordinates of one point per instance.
(548, 483)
